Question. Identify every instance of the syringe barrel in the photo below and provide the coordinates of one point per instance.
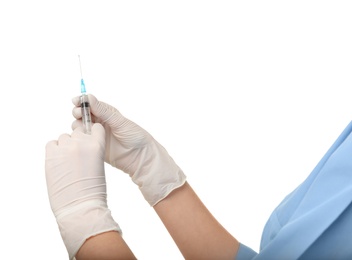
(86, 116)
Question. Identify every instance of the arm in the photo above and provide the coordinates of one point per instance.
(196, 232)
(108, 245)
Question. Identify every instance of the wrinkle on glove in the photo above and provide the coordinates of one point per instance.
(315, 220)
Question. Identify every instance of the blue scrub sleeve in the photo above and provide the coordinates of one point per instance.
(245, 253)
(315, 220)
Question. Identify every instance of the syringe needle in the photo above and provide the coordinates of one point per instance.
(80, 65)
(83, 86)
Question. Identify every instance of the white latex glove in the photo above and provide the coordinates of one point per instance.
(74, 168)
(133, 150)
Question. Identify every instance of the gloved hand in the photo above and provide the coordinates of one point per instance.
(74, 169)
(133, 150)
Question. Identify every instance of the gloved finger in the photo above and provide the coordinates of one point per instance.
(51, 144)
(77, 112)
(63, 139)
(76, 123)
(76, 101)
(103, 111)
(78, 131)
(98, 132)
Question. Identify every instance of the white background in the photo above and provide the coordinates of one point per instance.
(246, 96)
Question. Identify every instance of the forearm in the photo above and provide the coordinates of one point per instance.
(196, 232)
(108, 245)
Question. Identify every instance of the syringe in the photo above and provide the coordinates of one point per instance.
(85, 107)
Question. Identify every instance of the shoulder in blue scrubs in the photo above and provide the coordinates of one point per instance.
(315, 220)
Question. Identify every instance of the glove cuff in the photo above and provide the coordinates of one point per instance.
(159, 175)
(84, 221)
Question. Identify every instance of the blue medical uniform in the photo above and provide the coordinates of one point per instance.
(315, 220)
